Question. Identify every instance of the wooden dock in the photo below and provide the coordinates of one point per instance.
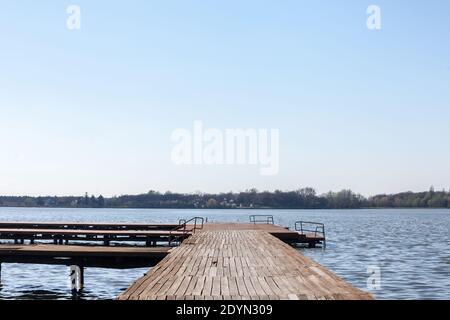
(150, 237)
(282, 233)
(239, 262)
(85, 232)
(245, 261)
(86, 225)
(83, 256)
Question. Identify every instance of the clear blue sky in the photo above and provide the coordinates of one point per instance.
(93, 110)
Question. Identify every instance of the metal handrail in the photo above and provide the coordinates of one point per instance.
(267, 219)
(198, 223)
(319, 228)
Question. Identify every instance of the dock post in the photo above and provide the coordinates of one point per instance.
(76, 279)
(81, 278)
(73, 279)
(106, 241)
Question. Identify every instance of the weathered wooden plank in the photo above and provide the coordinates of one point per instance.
(230, 261)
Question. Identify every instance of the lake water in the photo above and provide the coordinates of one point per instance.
(411, 248)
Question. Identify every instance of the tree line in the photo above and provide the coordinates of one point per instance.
(305, 198)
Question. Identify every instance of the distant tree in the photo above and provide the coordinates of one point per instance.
(29, 202)
(212, 203)
(40, 202)
(86, 199)
(101, 201)
(93, 201)
(438, 201)
(344, 199)
(305, 198)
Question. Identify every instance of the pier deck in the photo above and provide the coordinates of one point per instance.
(86, 225)
(242, 262)
(106, 236)
(282, 233)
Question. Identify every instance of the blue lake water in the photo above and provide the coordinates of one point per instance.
(411, 248)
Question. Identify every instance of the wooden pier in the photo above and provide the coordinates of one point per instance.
(150, 237)
(81, 244)
(245, 261)
(239, 262)
(87, 225)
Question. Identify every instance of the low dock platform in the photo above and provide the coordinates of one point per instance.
(86, 225)
(60, 236)
(310, 238)
(106, 233)
(239, 262)
(83, 256)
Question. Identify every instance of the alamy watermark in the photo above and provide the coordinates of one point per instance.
(200, 146)
(374, 19)
(374, 278)
(73, 21)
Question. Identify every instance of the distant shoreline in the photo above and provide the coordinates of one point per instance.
(231, 209)
(300, 199)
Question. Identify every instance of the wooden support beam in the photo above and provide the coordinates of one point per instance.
(81, 278)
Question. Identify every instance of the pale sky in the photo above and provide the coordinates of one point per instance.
(93, 110)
